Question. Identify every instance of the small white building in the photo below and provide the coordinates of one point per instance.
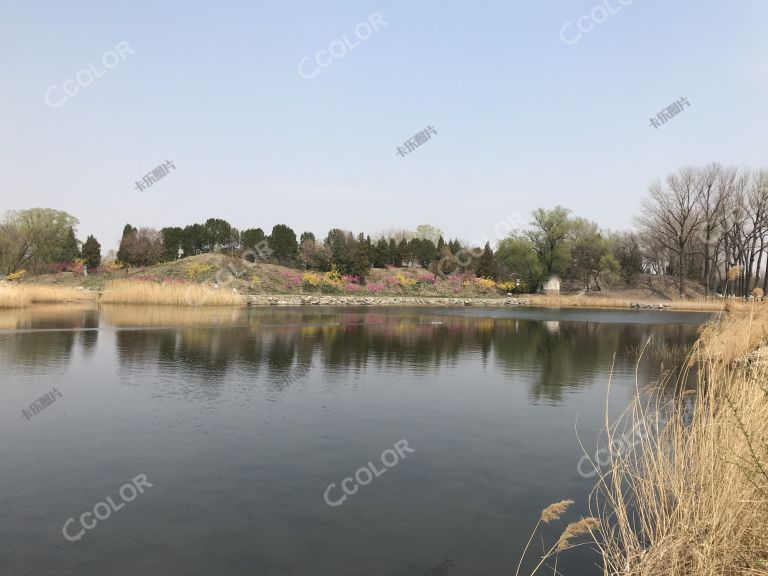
(552, 285)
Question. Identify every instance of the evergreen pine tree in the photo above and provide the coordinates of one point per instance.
(69, 248)
(127, 239)
(92, 252)
(486, 267)
(361, 263)
(394, 257)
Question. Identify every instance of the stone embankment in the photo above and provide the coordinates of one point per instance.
(649, 306)
(330, 300)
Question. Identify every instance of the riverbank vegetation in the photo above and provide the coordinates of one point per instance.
(705, 228)
(685, 491)
(152, 293)
(21, 295)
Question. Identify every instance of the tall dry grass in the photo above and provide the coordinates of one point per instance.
(690, 496)
(581, 301)
(20, 295)
(139, 292)
(12, 297)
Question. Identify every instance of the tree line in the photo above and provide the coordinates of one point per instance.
(705, 224)
(31, 240)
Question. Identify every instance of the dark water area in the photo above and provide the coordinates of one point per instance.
(236, 429)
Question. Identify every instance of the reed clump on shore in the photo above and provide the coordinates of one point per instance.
(690, 497)
(21, 295)
(584, 301)
(153, 293)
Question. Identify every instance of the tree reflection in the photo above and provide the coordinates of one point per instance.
(283, 346)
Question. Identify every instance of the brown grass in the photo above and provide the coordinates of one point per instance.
(582, 301)
(690, 497)
(139, 292)
(12, 297)
(20, 295)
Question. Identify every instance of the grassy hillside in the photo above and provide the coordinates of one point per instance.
(219, 279)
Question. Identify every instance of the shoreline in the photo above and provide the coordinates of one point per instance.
(341, 300)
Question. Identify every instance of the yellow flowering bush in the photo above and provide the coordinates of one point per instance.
(311, 280)
(332, 281)
(196, 270)
(405, 282)
(113, 266)
(16, 276)
(485, 283)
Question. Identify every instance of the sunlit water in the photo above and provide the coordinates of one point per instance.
(241, 419)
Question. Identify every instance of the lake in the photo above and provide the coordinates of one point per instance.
(231, 441)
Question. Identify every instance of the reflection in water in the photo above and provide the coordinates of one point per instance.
(556, 356)
(244, 416)
(44, 336)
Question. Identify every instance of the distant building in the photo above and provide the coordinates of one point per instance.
(552, 285)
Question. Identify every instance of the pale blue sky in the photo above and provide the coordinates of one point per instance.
(523, 120)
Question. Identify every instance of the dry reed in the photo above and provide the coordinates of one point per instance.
(140, 292)
(20, 295)
(12, 297)
(691, 497)
(581, 301)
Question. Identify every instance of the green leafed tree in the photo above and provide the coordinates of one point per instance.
(591, 253)
(517, 259)
(549, 238)
(32, 239)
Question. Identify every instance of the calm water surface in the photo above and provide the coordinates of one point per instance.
(241, 419)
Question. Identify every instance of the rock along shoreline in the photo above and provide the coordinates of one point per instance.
(330, 300)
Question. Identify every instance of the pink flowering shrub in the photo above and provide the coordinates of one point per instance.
(351, 287)
(291, 279)
(376, 287)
